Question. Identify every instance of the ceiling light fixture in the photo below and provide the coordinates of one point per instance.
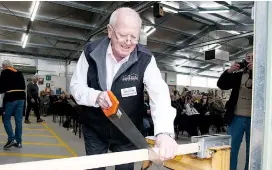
(35, 10)
(171, 4)
(170, 10)
(234, 32)
(210, 6)
(25, 40)
(213, 11)
(23, 37)
(150, 31)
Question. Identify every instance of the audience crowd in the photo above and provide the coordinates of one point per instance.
(196, 115)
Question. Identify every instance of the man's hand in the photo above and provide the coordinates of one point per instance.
(250, 66)
(103, 100)
(167, 147)
(32, 100)
(234, 67)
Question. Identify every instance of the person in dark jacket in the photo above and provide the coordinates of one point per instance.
(203, 108)
(12, 84)
(33, 100)
(238, 110)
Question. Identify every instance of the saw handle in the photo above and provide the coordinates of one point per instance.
(115, 104)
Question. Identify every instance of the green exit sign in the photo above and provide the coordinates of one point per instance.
(172, 81)
(48, 77)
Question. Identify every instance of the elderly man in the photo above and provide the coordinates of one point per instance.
(238, 114)
(12, 84)
(33, 100)
(118, 63)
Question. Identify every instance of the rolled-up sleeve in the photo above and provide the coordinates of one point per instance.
(163, 114)
(82, 94)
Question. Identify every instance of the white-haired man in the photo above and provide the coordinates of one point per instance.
(12, 84)
(118, 63)
(33, 100)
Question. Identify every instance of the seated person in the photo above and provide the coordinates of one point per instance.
(147, 121)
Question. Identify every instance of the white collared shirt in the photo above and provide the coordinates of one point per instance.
(163, 114)
(112, 66)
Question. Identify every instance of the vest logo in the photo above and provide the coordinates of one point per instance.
(130, 77)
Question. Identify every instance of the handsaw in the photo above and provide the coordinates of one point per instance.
(120, 119)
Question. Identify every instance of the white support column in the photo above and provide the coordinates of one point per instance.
(260, 148)
(267, 146)
(66, 76)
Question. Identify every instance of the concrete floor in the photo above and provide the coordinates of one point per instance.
(49, 141)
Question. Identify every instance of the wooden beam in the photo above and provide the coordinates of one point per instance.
(95, 161)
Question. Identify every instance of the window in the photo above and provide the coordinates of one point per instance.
(212, 83)
(183, 80)
(197, 81)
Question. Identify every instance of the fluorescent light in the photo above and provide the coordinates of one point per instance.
(146, 28)
(233, 32)
(25, 41)
(151, 31)
(35, 9)
(23, 37)
(219, 46)
(214, 11)
(210, 5)
(169, 10)
(171, 4)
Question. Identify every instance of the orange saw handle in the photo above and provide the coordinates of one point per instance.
(115, 104)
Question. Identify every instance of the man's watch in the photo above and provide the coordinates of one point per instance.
(167, 133)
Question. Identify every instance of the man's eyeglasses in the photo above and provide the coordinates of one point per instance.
(124, 37)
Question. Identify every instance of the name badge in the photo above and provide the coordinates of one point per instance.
(127, 92)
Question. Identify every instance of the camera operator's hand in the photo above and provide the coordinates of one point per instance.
(250, 66)
(103, 100)
(234, 67)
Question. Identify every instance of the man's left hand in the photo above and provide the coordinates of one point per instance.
(167, 147)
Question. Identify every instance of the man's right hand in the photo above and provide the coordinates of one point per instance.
(235, 67)
(103, 100)
(32, 100)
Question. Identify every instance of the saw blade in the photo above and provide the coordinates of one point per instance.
(120, 119)
(127, 127)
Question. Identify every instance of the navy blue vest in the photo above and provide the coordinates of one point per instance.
(129, 75)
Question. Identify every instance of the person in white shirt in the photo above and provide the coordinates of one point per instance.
(120, 64)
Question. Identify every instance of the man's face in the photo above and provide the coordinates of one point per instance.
(145, 97)
(35, 80)
(249, 57)
(204, 98)
(124, 35)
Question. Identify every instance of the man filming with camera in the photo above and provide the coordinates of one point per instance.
(238, 114)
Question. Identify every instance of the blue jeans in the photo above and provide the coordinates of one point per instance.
(236, 129)
(15, 108)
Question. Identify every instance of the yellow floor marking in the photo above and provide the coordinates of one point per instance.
(33, 155)
(33, 129)
(36, 135)
(39, 144)
(60, 140)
